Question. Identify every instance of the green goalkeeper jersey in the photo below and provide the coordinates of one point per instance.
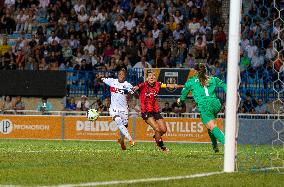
(201, 93)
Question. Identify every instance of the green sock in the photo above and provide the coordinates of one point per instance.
(218, 134)
(212, 137)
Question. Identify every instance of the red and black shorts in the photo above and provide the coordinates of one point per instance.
(155, 115)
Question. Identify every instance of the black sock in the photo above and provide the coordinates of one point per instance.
(160, 142)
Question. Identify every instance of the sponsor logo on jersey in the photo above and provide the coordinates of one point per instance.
(117, 90)
(151, 94)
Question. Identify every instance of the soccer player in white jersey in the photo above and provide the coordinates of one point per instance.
(120, 90)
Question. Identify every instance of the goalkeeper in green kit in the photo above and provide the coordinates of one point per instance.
(203, 92)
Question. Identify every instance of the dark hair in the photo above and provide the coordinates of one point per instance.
(5, 98)
(122, 69)
(201, 71)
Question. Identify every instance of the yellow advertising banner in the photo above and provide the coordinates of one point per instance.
(80, 128)
(33, 127)
(178, 129)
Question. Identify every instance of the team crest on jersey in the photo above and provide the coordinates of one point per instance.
(171, 78)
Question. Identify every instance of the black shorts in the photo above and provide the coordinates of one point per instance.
(155, 115)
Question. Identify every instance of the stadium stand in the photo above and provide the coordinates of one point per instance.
(87, 38)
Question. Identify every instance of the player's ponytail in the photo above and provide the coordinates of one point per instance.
(201, 72)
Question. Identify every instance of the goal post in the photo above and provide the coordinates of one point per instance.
(232, 80)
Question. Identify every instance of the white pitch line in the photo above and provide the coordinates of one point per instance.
(271, 168)
(104, 183)
(78, 150)
(139, 180)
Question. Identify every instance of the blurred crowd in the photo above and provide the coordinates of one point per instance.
(105, 35)
(261, 62)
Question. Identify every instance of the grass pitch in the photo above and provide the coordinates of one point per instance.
(36, 162)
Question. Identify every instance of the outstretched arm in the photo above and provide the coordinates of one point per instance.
(171, 86)
(222, 84)
(135, 88)
(107, 81)
(139, 86)
(186, 89)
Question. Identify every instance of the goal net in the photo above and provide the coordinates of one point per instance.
(260, 107)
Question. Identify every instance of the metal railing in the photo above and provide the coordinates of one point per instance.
(171, 115)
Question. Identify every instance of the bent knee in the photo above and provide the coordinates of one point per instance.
(158, 130)
(163, 131)
(211, 125)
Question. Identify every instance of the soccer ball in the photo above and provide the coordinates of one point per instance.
(92, 114)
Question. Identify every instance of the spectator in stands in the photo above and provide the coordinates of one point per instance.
(142, 63)
(83, 104)
(100, 106)
(248, 106)
(21, 20)
(71, 104)
(261, 107)
(44, 106)
(200, 47)
(106, 105)
(90, 47)
(132, 52)
(245, 62)
(18, 104)
(9, 4)
(83, 18)
(167, 108)
(119, 24)
(134, 108)
(257, 60)
(142, 50)
(220, 38)
(193, 26)
(67, 52)
(179, 108)
(193, 108)
(4, 48)
(7, 22)
(52, 38)
(6, 104)
(177, 32)
(158, 61)
(191, 61)
(140, 9)
(130, 23)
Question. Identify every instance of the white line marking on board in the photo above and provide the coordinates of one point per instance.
(103, 183)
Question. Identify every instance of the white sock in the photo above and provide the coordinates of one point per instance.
(122, 128)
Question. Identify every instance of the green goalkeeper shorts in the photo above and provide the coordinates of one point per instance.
(209, 108)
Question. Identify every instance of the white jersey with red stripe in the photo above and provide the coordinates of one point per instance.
(119, 92)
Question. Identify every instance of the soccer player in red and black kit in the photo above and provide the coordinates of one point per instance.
(149, 106)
